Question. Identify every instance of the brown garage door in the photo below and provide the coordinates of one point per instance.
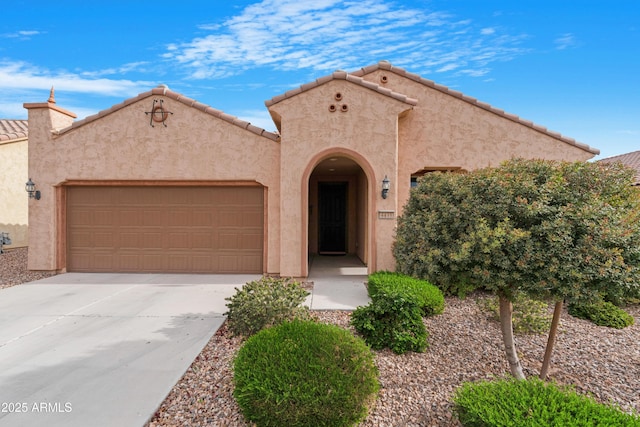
(165, 229)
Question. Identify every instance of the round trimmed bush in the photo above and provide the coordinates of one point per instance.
(391, 320)
(427, 296)
(303, 373)
(264, 303)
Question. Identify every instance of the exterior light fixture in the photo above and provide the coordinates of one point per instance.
(386, 185)
(31, 190)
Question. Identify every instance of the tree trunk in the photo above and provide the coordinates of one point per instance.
(557, 311)
(506, 324)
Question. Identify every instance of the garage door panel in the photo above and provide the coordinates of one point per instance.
(228, 241)
(83, 239)
(179, 240)
(128, 240)
(152, 261)
(229, 263)
(203, 241)
(128, 262)
(165, 229)
(103, 240)
(129, 217)
(252, 241)
(153, 217)
(251, 218)
(250, 263)
(202, 217)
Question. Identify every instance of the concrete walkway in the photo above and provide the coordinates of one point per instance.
(106, 349)
(338, 283)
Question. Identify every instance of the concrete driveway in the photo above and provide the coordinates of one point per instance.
(102, 349)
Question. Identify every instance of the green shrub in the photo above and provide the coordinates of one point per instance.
(532, 402)
(426, 295)
(530, 316)
(391, 320)
(302, 373)
(602, 313)
(263, 303)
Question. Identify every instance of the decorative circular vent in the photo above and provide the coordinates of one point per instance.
(344, 108)
(338, 96)
(384, 79)
(332, 108)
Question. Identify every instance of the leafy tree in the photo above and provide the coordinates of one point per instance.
(570, 231)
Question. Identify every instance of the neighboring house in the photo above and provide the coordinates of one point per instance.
(631, 160)
(14, 204)
(163, 183)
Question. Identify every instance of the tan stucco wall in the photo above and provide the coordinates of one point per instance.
(367, 133)
(14, 203)
(122, 146)
(443, 130)
(381, 131)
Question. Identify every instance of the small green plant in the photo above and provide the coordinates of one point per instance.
(391, 320)
(530, 316)
(302, 373)
(426, 295)
(521, 403)
(602, 313)
(263, 303)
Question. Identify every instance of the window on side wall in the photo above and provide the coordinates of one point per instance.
(431, 169)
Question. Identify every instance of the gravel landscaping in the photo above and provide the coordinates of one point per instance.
(415, 387)
(13, 268)
(464, 346)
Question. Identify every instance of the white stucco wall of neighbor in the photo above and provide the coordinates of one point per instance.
(378, 121)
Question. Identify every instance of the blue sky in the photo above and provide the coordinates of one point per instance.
(572, 66)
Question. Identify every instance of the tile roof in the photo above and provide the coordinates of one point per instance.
(165, 91)
(342, 75)
(629, 159)
(385, 65)
(13, 129)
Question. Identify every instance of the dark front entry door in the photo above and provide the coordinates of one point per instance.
(332, 227)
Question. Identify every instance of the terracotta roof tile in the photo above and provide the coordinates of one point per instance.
(385, 65)
(13, 129)
(341, 75)
(628, 159)
(163, 90)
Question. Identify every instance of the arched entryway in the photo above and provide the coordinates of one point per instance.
(338, 209)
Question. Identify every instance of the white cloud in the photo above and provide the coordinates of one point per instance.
(22, 34)
(12, 110)
(565, 41)
(260, 118)
(21, 82)
(328, 34)
(21, 75)
(139, 66)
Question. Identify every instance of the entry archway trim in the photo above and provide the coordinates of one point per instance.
(371, 201)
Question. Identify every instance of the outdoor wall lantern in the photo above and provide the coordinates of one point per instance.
(386, 185)
(31, 190)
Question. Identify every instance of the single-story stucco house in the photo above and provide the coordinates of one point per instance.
(631, 160)
(14, 206)
(163, 183)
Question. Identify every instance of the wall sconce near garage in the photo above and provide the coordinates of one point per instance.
(386, 185)
(31, 190)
